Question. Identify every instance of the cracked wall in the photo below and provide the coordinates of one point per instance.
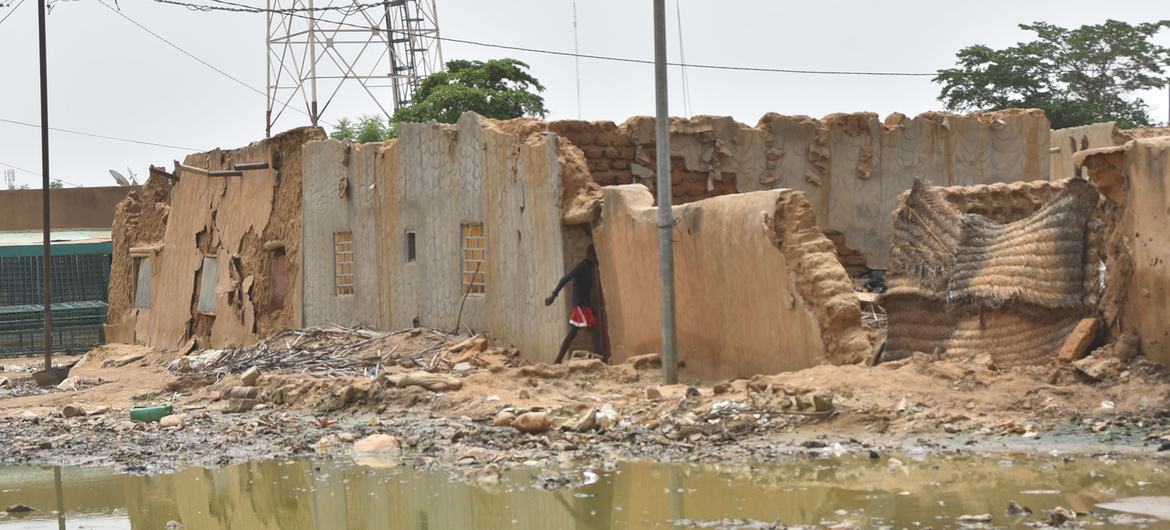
(250, 225)
(758, 287)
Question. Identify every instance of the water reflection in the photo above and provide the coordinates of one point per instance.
(329, 495)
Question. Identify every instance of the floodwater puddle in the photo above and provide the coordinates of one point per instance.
(937, 492)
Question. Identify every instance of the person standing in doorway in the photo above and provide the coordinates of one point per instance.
(582, 315)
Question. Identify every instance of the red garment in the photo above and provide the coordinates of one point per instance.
(582, 317)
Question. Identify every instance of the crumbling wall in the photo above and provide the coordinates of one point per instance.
(339, 186)
(758, 287)
(1066, 143)
(851, 166)
(1010, 281)
(526, 188)
(1135, 180)
(243, 222)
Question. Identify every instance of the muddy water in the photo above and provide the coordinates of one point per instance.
(303, 494)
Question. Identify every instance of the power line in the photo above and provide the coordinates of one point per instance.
(18, 168)
(11, 11)
(191, 55)
(96, 135)
(203, 7)
(682, 57)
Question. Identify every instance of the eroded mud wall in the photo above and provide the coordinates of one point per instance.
(250, 226)
(758, 287)
(523, 187)
(1135, 180)
(1065, 143)
(851, 166)
(339, 186)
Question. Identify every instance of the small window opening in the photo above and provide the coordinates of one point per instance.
(208, 278)
(278, 274)
(474, 258)
(142, 282)
(343, 262)
(410, 248)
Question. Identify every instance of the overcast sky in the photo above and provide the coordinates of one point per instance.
(107, 76)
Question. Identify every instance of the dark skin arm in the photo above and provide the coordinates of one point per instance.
(563, 282)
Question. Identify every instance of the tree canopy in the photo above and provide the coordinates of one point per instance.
(500, 88)
(1077, 76)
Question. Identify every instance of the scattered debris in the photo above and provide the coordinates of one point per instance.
(250, 376)
(532, 422)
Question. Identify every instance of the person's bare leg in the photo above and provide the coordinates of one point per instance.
(566, 343)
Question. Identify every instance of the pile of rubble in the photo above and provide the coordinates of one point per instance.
(340, 351)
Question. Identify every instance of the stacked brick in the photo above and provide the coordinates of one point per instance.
(608, 150)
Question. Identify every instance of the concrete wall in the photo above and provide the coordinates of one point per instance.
(1135, 180)
(71, 207)
(758, 287)
(245, 222)
(339, 188)
(526, 187)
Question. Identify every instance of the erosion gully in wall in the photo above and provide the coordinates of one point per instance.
(242, 232)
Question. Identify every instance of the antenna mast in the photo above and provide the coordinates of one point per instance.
(318, 47)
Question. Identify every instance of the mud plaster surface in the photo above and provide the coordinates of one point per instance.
(228, 218)
(758, 288)
(1133, 178)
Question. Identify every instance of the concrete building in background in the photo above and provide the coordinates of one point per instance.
(86, 208)
(81, 248)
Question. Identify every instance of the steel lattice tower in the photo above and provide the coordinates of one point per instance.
(315, 48)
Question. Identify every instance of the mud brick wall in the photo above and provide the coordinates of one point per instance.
(249, 225)
(759, 288)
(608, 150)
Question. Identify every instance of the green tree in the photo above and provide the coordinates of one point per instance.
(367, 129)
(56, 184)
(344, 130)
(499, 88)
(1077, 76)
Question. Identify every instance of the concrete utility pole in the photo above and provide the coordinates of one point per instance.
(47, 258)
(665, 214)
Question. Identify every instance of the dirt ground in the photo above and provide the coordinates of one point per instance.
(450, 401)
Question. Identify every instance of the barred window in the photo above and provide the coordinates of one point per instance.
(343, 262)
(474, 256)
(207, 282)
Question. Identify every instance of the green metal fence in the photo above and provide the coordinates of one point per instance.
(79, 302)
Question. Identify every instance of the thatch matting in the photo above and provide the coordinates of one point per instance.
(962, 284)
